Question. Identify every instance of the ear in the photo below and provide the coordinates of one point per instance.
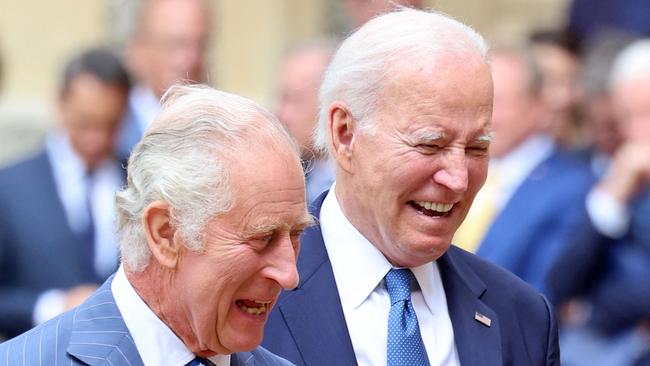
(342, 129)
(163, 244)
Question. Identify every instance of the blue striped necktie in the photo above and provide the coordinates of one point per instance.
(404, 345)
(200, 361)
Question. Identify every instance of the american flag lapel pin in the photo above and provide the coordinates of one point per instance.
(482, 319)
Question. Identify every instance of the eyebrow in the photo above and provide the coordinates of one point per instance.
(269, 227)
(487, 137)
(427, 136)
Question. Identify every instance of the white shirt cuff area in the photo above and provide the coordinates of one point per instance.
(48, 305)
(609, 217)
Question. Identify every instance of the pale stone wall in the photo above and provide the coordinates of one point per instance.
(36, 37)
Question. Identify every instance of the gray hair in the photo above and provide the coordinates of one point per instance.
(632, 63)
(382, 45)
(183, 160)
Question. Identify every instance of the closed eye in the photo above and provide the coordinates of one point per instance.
(477, 150)
(428, 149)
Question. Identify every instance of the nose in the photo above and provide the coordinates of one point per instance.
(453, 173)
(281, 266)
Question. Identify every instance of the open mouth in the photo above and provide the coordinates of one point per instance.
(432, 209)
(254, 307)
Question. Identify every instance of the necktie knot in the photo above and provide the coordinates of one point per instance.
(199, 361)
(398, 284)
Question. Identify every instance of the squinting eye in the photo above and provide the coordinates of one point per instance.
(427, 148)
(477, 150)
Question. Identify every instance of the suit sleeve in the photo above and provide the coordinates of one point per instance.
(552, 345)
(577, 264)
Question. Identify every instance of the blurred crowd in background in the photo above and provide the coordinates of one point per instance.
(566, 205)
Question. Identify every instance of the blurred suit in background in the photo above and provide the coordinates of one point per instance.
(56, 221)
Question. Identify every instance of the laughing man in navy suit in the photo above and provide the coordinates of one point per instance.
(406, 105)
(209, 232)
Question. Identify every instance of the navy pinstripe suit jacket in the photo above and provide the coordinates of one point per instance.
(95, 334)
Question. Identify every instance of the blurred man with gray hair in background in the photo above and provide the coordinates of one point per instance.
(209, 233)
(607, 262)
(169, 45)
(405, 111)
(297, 107)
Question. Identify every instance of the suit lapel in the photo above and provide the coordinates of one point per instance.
(48, 204)
(315, 304)
(99, 334)
(477, 344)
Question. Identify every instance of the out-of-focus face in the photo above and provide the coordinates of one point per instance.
(516, 109)
(414, 174)
(632, 106)
(361, 11)
(249, 254)
(90, 113)
(297, 106)
(559, 70)
(172, 43)
(604, 126)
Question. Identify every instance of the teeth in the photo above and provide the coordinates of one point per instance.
(255, 310)
(439, 207)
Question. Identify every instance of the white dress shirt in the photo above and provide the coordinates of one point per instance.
(144, 104)
(156, 343)
(517, 165)
(359, 269)
(71, 185)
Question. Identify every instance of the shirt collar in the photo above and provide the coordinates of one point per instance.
(519, 163)
(64, 160)
(155, 341)
(144, 104)
(356, 279)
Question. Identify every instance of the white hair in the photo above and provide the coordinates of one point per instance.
(632, 63)
(183, 160)
(382, 46)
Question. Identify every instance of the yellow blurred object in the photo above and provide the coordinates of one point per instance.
(479, 218)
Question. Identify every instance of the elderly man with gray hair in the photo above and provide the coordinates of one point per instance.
(209, 233)
(405, 111)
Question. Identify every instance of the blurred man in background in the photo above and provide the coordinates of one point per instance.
(169, 46)
(556, 55)
(56, 220)
(533, 192)
(608, 261)
(361, 11)
(300, 76)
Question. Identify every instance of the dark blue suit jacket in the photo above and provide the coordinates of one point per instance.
(95, 334)
(613, 274)
(308, 327)
(535, 224)
(38, 250)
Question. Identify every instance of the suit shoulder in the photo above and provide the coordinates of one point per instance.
(262, 357)
(18, 172)
(498, 280)
(42, 342)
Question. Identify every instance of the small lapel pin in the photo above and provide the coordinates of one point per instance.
(482, 319)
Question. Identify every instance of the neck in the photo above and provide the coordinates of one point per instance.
(155, 286)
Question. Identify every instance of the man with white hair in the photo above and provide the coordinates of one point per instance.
(209, 233)
(608, 261)
(405, 112)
